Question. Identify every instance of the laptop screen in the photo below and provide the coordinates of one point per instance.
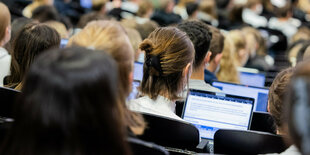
(210, 112)
(252, 79)
(134, 91)
(138, 71)
(86, 3)
(259, 94)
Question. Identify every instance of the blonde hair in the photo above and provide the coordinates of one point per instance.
(111, 37)
(5, 18)
(144, 7)
(59, 27)
(168, 51)
(261, 43)
(208, 7)
(228, 68)
(135, 40)
(238, 40)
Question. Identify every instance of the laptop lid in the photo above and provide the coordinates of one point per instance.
(134, 92)
(138, 71)
(210, 112)
(252, 79)
(260, 94)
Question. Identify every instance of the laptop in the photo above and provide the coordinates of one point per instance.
(134, 92)
(63, 43)
(210, 112)
(138, 71)
(260, 94)
(252, 79)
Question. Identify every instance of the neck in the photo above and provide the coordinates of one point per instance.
(198, 73)
(212, 67)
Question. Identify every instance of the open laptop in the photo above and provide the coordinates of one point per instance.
(138, 71)
(134, 92)
(210, 112)
(252, 79)
(260, 94)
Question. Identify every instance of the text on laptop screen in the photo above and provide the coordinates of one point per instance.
(138, 71)
(252, 79)
(209, 112)
(260, 95)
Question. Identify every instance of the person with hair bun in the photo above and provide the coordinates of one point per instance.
(169, 55)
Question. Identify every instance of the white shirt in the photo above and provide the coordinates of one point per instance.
(250, 17)
(202, 85)
(288, 28)
(5, 63)
(160, 106)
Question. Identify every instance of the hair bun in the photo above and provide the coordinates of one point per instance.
(147, 46)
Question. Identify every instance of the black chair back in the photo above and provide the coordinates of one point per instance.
(247, 142)
(7, 99)
(170, 133)
(263, 122)
(139, 147)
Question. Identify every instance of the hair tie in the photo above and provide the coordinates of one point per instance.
(154, 61)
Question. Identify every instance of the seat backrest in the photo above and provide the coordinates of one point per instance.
(170, 133)
(263, 122)
(140, 147)
(7, 99)
(247, 142)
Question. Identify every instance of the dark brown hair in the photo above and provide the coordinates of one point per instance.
(217, 42)
(168, 50)
(32, 40)
(69, 106)
(276, 95)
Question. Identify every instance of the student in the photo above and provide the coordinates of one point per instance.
(111, 37)
(228, 66)
(27, 12)
(5, 35)
(216, 48)
(169, 55)
(251, 14)
(200, 36)
(164, 16)
(240, 54)
(276, 97)
(68, 106)
(32, 40)
(297, 109)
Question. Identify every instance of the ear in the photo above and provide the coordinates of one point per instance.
(268, 108)
(187, 70)
(218, 58)
(130, 77)
(207, 57)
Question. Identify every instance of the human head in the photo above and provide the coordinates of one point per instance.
(276, 96)
(297, 107)
(217, 44)
(283, 11)
(255, 5)
(45, 13)
(111, 37)
(200, 35)
(59, 27)
(146, 28)
(241, 54)
(135, 40)
(5, 25)
(145, 9)
(89, 17)
(32, 40)
(304, 52)
(208, 7)
(68, 106)
(227, 71)
(169, 54)
(99, 5)
(255, 42)
(192, 9)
